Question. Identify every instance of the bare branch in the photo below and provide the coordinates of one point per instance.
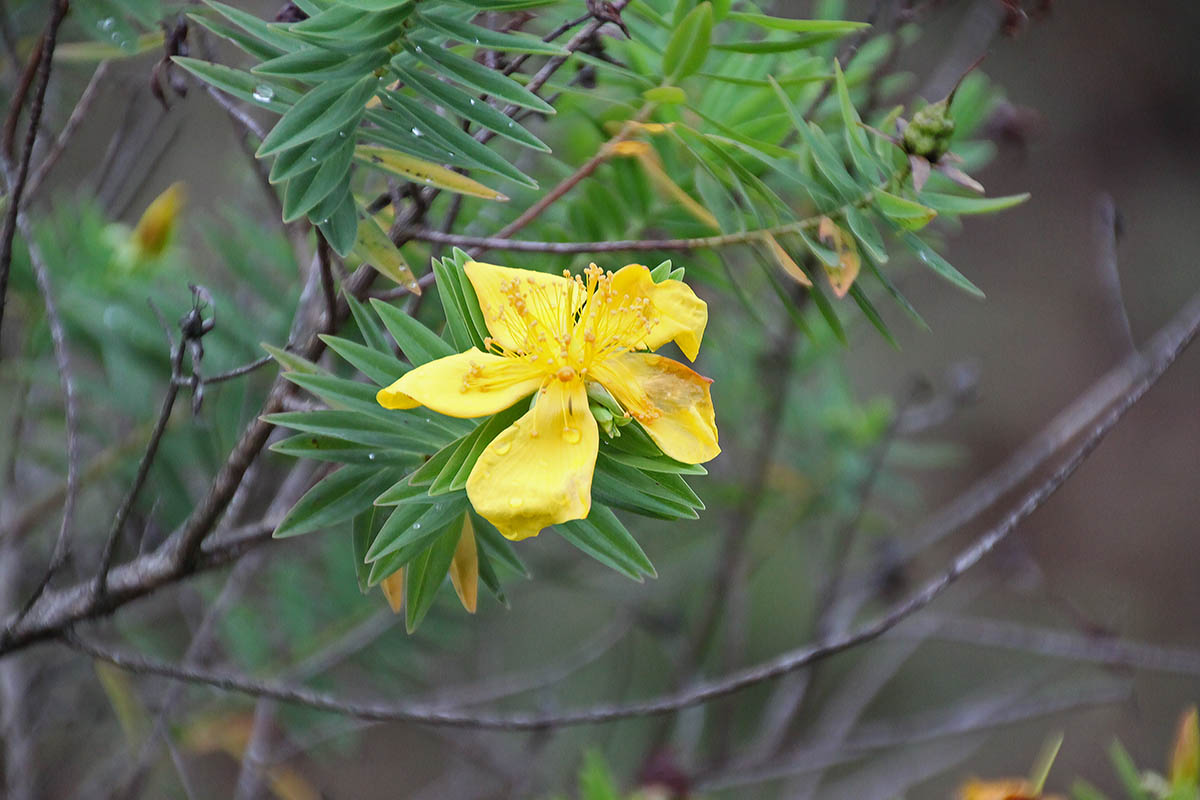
(18, 176)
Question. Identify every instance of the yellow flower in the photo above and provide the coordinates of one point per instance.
(554, 336)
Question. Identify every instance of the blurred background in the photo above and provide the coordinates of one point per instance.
(1101, 110)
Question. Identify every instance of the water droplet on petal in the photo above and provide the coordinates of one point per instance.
(516, 502)
(571, 436)
(263, 93)
(502, 448)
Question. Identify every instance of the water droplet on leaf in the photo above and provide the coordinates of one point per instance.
(263, 93)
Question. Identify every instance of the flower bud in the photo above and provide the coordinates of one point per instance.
(928, 134)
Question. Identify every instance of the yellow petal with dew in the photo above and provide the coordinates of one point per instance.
(679, 315)
(153, 230)
(464, 569)
(393, 590)
(538, 472)
(519, 305)
(424, 172)
(470, 384)
(668, 399)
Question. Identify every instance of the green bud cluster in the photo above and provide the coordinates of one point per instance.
(929, 133)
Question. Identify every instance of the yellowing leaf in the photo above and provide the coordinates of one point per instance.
(131, 715)
(841, 278)
(1184, 768)
(648, 158)
(153, 230)
(393, 590)
(421, 171)
(786, 262)
(82, 52)
(375, 248)
(464, 569)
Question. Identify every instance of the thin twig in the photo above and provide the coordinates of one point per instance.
(327, 288)
(59, 146)
(143, 470)
(1104, 650)
(18, 176)
(66, 377)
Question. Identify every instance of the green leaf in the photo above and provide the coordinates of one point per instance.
(864, 231)
(365, 527)
(872, 314)
(369, 328)
(688, 46)
(1082, 790)
(661, 463)
(498, 548)
(604, 538)
(909, 215)
(477, 111)
(340, 227)
(254, 26)
(330, 177)
(856, 138)
(928, 256)
(339, 392)
(382, 368)
(454, 306)
(1127, 771)
(329, 448)
(957, 204)
(292, 361)
(419, 344)
(239, 84)
(484, 434)
(323, 109)
(667, 95)
(403, 491)
(335, 499)
(211, 21)
(412, 525)
(374, 247)
(399, 431)
(477, 76)
(426, 574)
(315, 64)
(292, 161)
(453, 138)
(825, 26)
(489, 39)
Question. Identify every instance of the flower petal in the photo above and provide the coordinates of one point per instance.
(470, 384)
(680, 315)
(670, 400)
(538, 472)
(548, 300)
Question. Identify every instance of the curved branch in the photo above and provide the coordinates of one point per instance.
(1173, 340)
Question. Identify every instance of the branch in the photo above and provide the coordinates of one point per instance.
(17, 179)
(1170, 343)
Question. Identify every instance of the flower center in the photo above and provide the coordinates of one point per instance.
(568, 328)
